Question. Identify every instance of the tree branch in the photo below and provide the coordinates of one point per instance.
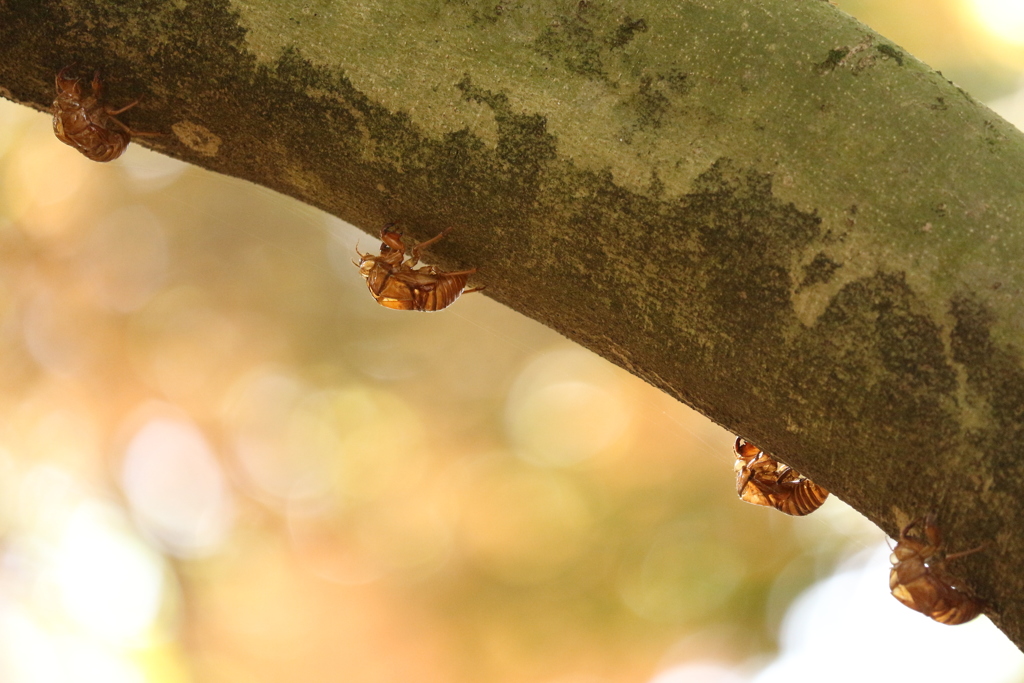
(761, 207)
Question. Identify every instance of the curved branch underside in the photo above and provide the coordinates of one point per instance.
(762, 208)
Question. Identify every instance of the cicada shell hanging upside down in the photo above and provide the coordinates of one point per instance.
(762, 480)
(918, 576)
(86, 123)
(396, 284)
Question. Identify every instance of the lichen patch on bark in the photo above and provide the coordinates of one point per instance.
(197, 138)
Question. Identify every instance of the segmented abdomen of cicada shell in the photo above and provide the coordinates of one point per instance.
(933, 596)
(800, 497)
(442, 294)
(96, 143)
(961, 612)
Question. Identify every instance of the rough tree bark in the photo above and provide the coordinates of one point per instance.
(759, 206)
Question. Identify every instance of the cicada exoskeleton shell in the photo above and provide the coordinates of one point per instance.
(86, 123)
(919, 579)
(762, 480)
(396, 284)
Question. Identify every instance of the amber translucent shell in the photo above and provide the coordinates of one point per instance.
(396, 284)
(86, 123)
(762, 480)
(919, 579)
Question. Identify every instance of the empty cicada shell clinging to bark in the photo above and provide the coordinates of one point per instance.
(918, 577)
(762, 480)
(396, 284)
(86, 123)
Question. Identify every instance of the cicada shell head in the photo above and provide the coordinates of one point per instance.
(366, 264)
(68, 89)
(745, 450)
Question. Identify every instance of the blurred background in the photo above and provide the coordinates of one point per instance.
(222, 462)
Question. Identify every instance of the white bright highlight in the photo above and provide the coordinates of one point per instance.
(1003, 18)
(108, 581)
(851, 627)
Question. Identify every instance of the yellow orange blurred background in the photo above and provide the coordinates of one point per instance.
(222, 462)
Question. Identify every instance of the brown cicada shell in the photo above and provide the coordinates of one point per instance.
(918, 576)
(396, 284)
(762, 480)
(86, 123)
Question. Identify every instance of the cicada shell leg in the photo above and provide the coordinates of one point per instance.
(97, 85)
(131, 131)
(115, 112)
(423, 245)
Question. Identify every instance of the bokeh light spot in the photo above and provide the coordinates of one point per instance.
(62, 335)
(176, 487)
(699, 672)
(259, 408)
(565, 407)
